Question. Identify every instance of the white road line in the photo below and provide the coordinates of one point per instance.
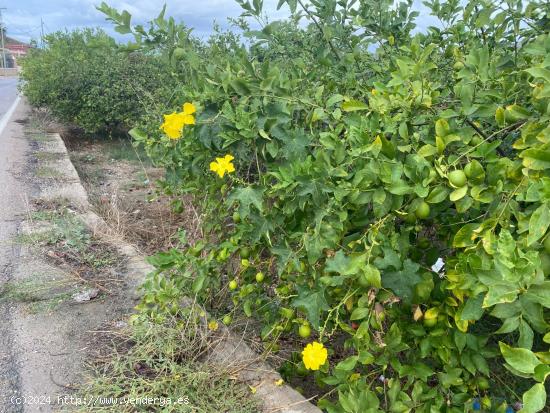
(7, 116)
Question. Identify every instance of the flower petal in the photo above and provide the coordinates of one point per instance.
(188, 119)
(189, 108)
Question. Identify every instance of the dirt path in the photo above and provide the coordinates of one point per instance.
(48, 264)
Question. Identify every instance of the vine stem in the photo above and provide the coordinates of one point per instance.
(312, 17)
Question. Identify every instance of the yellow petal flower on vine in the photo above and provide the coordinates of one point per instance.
(173, 124)
(223, 165)
(189, 108)
(314, 355)
(188, 119)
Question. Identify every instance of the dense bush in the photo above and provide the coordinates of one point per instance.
(387, 190)
(383, 191)
(84, 78)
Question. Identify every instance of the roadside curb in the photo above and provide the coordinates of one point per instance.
(230, 351)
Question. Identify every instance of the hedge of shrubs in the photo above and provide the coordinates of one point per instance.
(85, 78)
(379, 192)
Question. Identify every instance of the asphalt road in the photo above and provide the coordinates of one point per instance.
(12, 156)
(8, 93)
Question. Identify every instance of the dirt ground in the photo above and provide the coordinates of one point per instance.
(121, 184)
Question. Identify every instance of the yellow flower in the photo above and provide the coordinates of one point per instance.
(174, 122)
(223, 165)
(187, 114)
(172, 126)
(314, 355)
(189, 108)
(213, 325)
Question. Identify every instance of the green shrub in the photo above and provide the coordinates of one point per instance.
(83, 77)
(345, 196)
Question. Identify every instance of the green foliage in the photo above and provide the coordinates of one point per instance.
(347, 135)
(83, 78)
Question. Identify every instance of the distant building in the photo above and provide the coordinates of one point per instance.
(13, 50)
(16, 47)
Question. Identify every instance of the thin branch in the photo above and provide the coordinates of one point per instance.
(312, 17)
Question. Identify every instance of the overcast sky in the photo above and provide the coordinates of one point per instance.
(22, 17)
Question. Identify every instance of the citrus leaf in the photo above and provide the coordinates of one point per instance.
(538, 223)
(353, 105)
(534, 399)
(520, 359)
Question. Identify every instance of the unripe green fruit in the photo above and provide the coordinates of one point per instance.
(422, 210)
(468, 170)
(244, 252)
(457, 178)
(227, 320)
(233, 285)
(236, 217)
(476, 140)
(545, 259)
(287, 312)
(482, 383)
(260, 277)
(423, 243)
(430, 322)
(304, 331)
(410, 218)
(179, 53)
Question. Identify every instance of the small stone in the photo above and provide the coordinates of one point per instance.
(86, 295)
(121, 324)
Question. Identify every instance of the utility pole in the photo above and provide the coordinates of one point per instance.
(2, 29)
(42, 32)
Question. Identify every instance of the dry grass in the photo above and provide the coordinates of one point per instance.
(166, 361)
(122, 189)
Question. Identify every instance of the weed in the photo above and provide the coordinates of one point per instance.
(41, 295)
(48, 172)
(70, 239)
(164, 361)
(48, 156)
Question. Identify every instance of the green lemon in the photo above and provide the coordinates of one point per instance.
(287, 312)
(547, 244)
(482, 383)
(304, 331)
(410, 218)
(233, 285)
(260, 277)
(545, 259)
(476, 140)
(430, 322)
(422, 210)
(179, 53)
(227, 320)
(245, 263)
(423, 243)
(457, 178)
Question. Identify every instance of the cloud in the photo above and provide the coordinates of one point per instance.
(23, 18)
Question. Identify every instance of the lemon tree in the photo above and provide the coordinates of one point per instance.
(390, 185)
